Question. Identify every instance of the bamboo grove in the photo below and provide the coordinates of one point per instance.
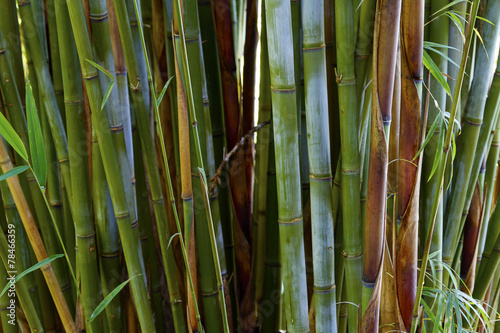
(250, 166)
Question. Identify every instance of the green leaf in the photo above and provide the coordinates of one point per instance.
(108, 299)
(36, 266)
(451, 4)
(172, 238)
(430, 48)
(14, 171)
(160, 98)
(428, 137)
(439, 153)
(12, 138)
(432, 67)
(37, 147)
(107, 94)
(102, 69)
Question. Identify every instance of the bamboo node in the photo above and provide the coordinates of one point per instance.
(314, 48)
(110, 256)
(63, 160)
(473, 123)
(350, 171)
(284, 90)
(209, 294)
(99, 17)
(116, 129)
(320, 178)
(2, 51)
(92, 234)
(294, 221)
(325, 291)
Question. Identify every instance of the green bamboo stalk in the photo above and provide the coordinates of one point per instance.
(346, 82)
(188, 46)
(443, 161)
(467, 143)
(320, 173)
(53, 195)
(128, 232)
(439, 27)
(214, 90)
(35, 46)
(22, 251)
(493, 101)
(78, 158)
(135, 61)
(261, 186)
(4, 310)
(364, 45)
(455, 41)
(107, 238)
(9, 26)
(21, 287)
(279, 34)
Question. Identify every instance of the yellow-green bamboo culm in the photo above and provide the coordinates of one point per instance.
(278, 21)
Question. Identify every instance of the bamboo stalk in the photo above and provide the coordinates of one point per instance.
(320, 173)
(36, 242)
(384, 68)
(278, 20)
(128, 231)
(412, 13)
(346, 82)
(35, 46)
(467, 142)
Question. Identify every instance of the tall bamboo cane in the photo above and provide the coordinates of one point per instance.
(468, 139)
(346, 82)
(278, 20)
(47, 90)
(128, 232)
(320, 173)
(412, 13)
(384, 68)
(36, 242)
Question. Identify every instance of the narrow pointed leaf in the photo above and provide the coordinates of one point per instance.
(35, 136)
(36, 266)
(12, 138)
(433, 68)
(160, 97)
(14, 171)
(108, 299)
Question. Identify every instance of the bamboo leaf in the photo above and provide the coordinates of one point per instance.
(160, 98)
(433, 68)
(439, 152)
(451, 4)
(10, 135)
(102, 69)
(36, 266)
(428, 137)
(172, 238)
(108, 299)
(106, 94)
(35, 137)
(14, 171)
(443, 55)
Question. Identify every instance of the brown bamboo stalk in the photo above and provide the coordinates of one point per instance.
(36, 242)
(409, 143)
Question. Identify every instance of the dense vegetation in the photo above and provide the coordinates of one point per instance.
(250, 166)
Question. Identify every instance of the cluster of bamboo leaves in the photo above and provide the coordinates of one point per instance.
(245, 165)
